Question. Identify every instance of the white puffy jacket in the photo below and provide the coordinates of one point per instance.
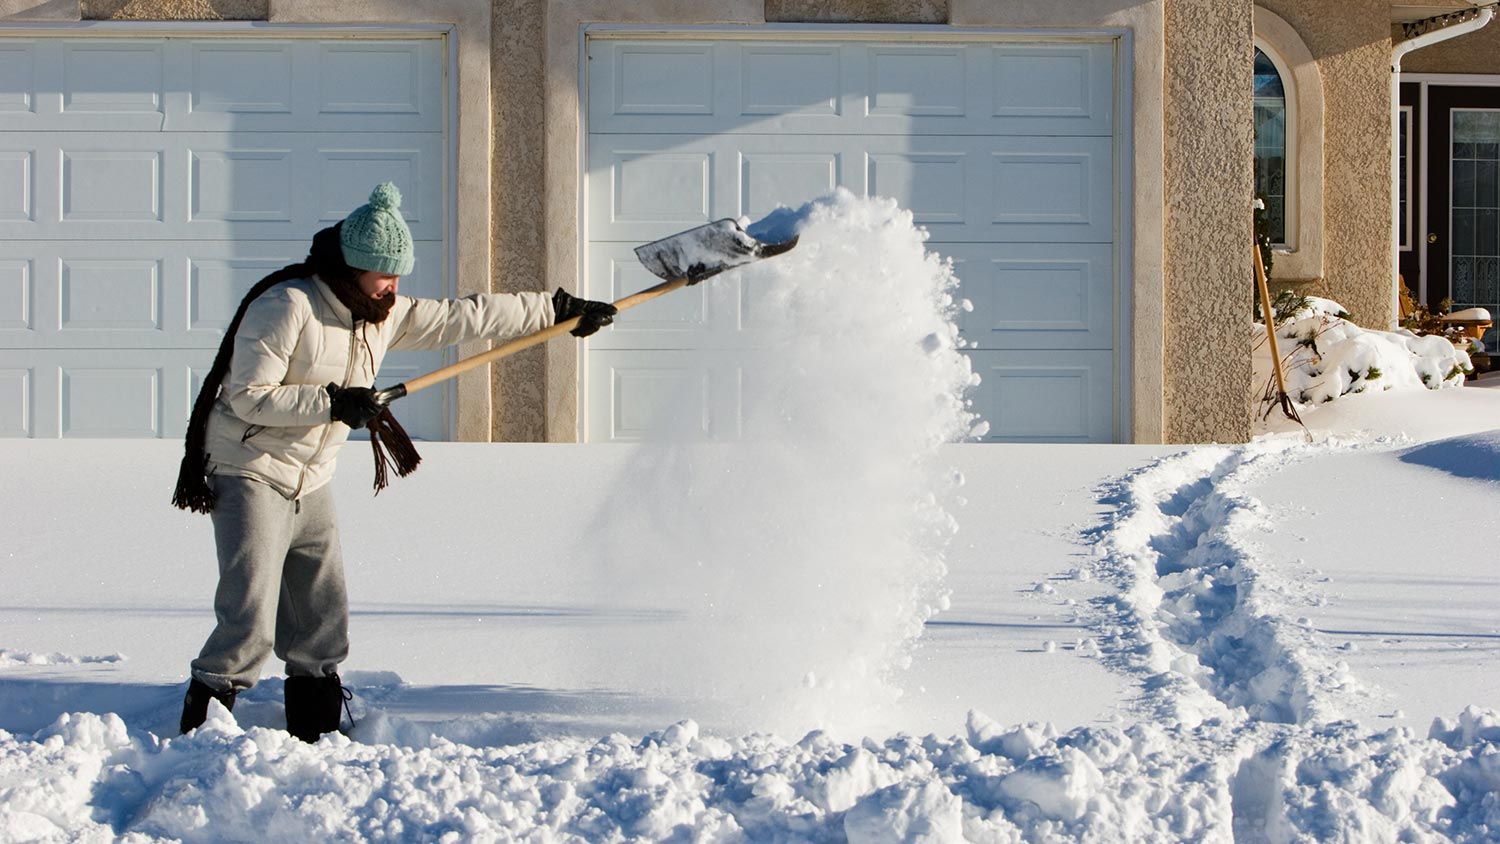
(272, 421)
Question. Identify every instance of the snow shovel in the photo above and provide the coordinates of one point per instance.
(684, 258)
(1281, 396)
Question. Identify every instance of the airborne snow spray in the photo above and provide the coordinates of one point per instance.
(790, 562)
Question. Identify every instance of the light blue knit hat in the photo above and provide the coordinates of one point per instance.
(375, 237)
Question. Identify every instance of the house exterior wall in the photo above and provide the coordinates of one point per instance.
(1350, 39)
(518, 147)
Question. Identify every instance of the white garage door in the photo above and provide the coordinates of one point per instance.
(147, 183)
(1002, 150)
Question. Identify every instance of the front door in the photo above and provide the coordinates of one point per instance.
(1463, 198)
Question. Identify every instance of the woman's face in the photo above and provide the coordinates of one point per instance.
(378, 285)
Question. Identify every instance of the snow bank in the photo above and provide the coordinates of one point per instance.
(1325, 356)
(806, 554)
(90, 778)
(1474, 456)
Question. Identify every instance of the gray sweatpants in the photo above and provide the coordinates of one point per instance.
(281, 585)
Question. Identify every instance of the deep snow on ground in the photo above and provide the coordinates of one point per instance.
(1293, 639)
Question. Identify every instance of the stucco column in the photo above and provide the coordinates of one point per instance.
(518, 385)
(1209, 181)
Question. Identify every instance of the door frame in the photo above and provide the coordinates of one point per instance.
(1421, 213)
(1125, 425)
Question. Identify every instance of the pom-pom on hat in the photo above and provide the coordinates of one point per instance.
(375, 237)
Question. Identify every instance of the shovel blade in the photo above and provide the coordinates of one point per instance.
(706, 251)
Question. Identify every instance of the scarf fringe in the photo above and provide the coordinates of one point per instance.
(387, 435)
(193, 492)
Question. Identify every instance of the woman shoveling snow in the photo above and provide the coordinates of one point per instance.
(293, 375)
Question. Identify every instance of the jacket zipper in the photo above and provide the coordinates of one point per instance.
(328, 427)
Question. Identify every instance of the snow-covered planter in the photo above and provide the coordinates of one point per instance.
(1325, 356)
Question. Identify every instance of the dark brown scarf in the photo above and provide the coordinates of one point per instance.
(325, 260)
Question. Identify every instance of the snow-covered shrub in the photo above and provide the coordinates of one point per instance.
(1325, 356)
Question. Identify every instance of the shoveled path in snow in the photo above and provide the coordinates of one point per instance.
(1218, 632)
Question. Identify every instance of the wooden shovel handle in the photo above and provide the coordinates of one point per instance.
(516, 345)
(1265, 304)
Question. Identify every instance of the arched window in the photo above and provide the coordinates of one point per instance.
(1271, 152)
(1288, 103)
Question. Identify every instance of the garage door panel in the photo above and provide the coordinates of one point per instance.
(1045, 396)
(1035, 295)
(17, 77)
(17, 193)
(790, 79)
(653, 187)
(702, 316)
(241, 185)
(16, 401)
(17, 294)
(111, 185)
(654, 393)
(929, 184)
(109, 295)
(345, 176)
(767, 179)
(119, 77)
(853, 87)
(236, 77)
(1056, 83)
(663, 79)
(216, 286)
(111, 401)
(912, 81)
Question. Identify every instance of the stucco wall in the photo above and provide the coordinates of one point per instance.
(862, 11)
(145, 10)
(1350, 39)
(1477, 52)
(1209, 187)
(519, 384)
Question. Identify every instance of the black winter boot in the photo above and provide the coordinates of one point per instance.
(195, 703)
(312, 706)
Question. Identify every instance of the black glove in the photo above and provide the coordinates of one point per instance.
(354, 406)
(592, 316)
